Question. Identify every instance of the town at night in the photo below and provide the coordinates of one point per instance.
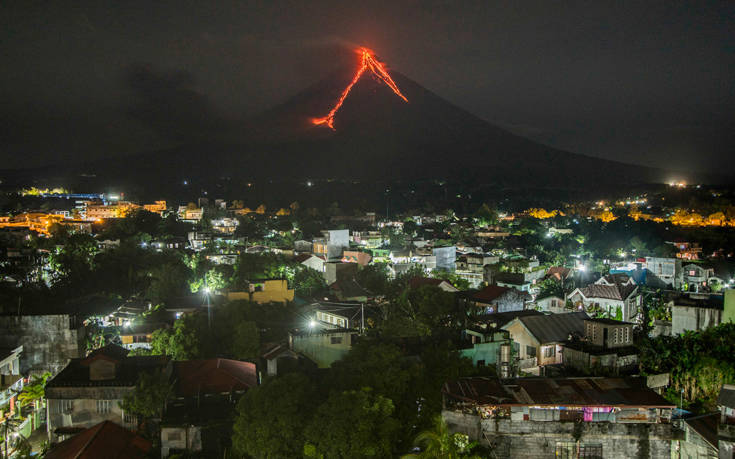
(325, 229)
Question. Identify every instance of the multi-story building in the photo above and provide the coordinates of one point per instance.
(561, 417)
(667, 269)
(607, 346)
(89, 390)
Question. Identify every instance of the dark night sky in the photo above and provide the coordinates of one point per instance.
(650, 82)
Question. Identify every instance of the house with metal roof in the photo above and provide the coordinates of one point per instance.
(541, 338)
(561, 417)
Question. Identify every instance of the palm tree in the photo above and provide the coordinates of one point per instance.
(439, 443)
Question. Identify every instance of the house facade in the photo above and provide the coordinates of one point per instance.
(606, 346)
(619, 300)
(89, 390)
(495, 298)
(541, 338)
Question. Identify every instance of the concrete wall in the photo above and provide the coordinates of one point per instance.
(323, 348)
(694, 446)
(48, 341)
(690, 318)
(537, 440)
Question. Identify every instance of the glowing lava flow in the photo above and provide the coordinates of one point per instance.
(367, 62)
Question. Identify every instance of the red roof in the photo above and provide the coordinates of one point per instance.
(490, 293)
(106, 439)
(213, 376)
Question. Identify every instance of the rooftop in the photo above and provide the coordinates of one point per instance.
(213, 376)
(106, 439)
(610, 292)
(76, 372)
(555, 328)
(619, 392)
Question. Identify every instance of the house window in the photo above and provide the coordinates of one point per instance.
(530, 351)
(549, 351)
(63, 406)
(336, 340)
(615, 336)
(590, 451)
(103, 406)
(627, 334)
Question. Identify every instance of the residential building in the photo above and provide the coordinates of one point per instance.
(323, 347)
(446, 257)
(606, 346)
(332, 244)
(668, 270)
(696, 277)
(190, 215)
(700, 437)
(89, 390)
(11, 381)
(552, 304)
(138, 336)
(200, 416)
(541, 338)
(494, 298)
(342, 315)
(561, 417)
(726, 427)
(349, 290)
(48, 340)
(106, 439)
(334, 272)
(488, 346)
(225, 226)
(610, 296)
(559, 273)
(158, 207)
(311, 261)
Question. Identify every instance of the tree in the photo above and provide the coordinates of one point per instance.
(182, 342)
(308, 282)
(271, 417)
(35, 390)
(246, 344)
(374, 278)
(353, 424)
(486, 216)
(438, 442)
(148, 399)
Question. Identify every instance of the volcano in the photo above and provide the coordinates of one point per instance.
(413, 134)
(383, 127)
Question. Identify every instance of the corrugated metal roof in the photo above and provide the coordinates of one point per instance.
(555, 328)
(556, 391)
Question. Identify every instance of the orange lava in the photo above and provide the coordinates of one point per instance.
(367, 62)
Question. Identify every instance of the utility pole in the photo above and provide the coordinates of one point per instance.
(362, 318)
